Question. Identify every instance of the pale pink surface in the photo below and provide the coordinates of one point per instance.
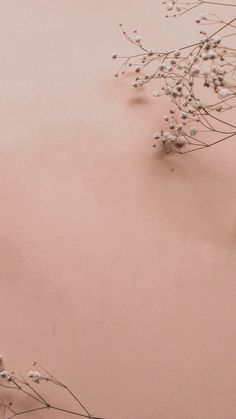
(117, 273)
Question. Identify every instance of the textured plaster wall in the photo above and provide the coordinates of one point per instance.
(117, 272)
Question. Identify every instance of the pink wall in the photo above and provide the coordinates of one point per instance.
(117, 273)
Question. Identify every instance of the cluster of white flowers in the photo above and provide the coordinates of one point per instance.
(173, 8)
(177, 8)
(168, 139)
(175, 136)
(183, 75)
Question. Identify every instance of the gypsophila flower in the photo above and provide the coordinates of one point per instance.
(138, 39)
(224, 93)
(183, 74)
(5, 375)
(35, 376)
(193, 132)
(157, 135)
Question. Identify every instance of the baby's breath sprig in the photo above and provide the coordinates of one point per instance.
(29, 388)
(176, 8)
(199, 79)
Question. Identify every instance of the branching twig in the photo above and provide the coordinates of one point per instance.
(26, 387)
(185, 75)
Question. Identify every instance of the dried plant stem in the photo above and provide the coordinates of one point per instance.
(184, 75)
(12, 381)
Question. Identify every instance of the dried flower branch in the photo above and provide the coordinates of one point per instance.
(199, 79)
(27, 387)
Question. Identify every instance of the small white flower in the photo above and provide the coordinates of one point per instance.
(177, 53)
(212, 54)
(198, 104)
(35, 376)
(205, 56)
(193, 132)
(168, 137)
(181, 141)
(216, 39)
(179, 127)
(183, 115)
(224, 93)
(195, 70)
(140, 82)
(156, 93)
(156, 135)
(5, 375)
(138, 39)
(204, 15)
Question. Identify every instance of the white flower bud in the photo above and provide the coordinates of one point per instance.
(193, 131)
(156, 135)
(138, 39)
(35, 376)
(224, 93)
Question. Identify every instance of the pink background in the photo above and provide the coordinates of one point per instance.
(117, 273)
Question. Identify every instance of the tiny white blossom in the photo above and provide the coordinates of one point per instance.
(224, 93)
(138, 39)
(140, 82)
(193, 131)
(156, 135)
(181, 141)
(218, 108)
(204, 15)
(35, 376)
(184, 115)
(177, 53)
(216, 39)
(5, 375)
(195, 70)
